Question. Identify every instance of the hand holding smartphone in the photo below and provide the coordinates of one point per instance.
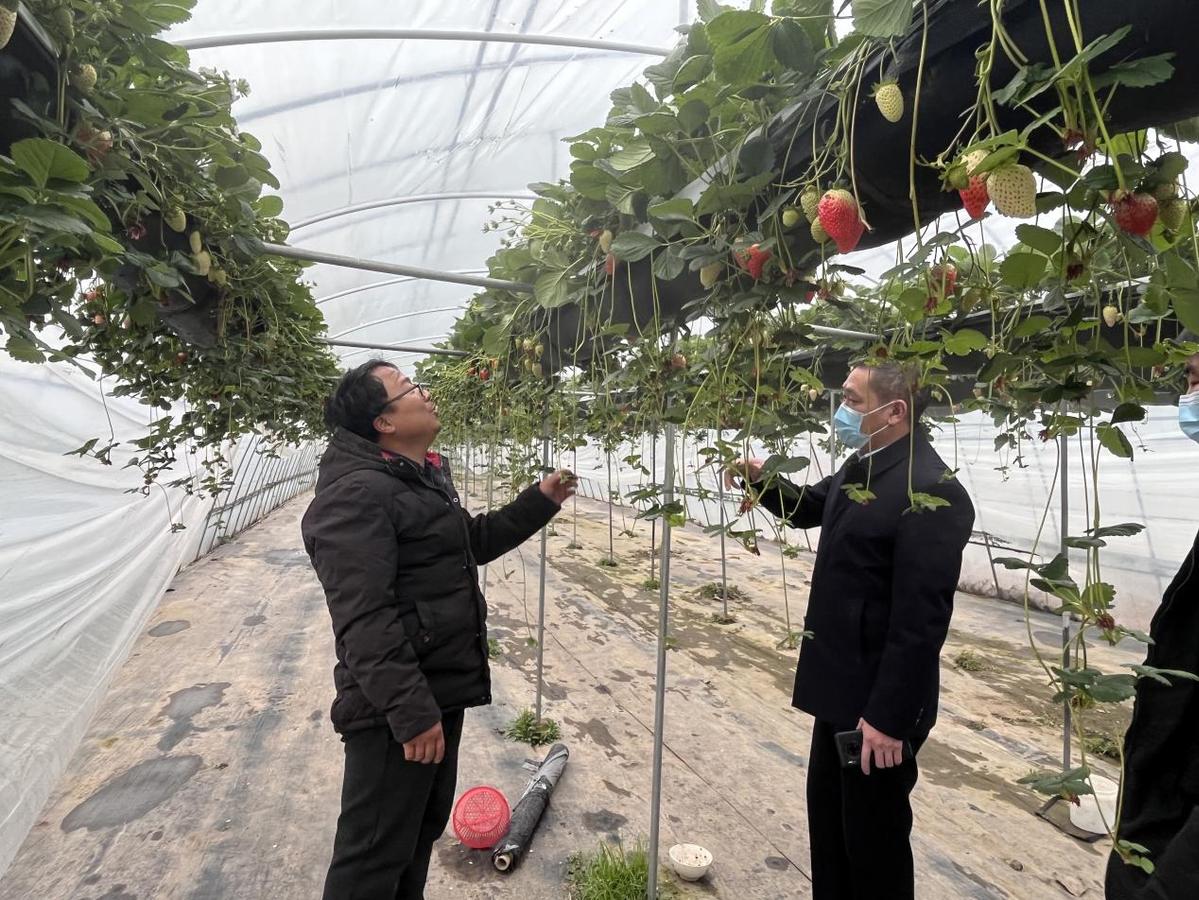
(849, 749)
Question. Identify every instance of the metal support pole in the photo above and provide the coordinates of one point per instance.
(490, 495)
(724, 563)
(660, 685)
(1064, 449)
(545, 464)
(611, 510)
(653, 525)
(832, 432)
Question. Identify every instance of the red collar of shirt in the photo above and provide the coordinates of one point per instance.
(432, 458)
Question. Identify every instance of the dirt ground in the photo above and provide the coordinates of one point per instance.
(212, 772)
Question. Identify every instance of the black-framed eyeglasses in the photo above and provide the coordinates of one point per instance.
(424, 392)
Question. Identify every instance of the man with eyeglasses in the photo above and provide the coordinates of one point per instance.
(397, 556)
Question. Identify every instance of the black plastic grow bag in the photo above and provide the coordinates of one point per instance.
(957, 28)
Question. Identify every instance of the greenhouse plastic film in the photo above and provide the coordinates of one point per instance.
(84, 559)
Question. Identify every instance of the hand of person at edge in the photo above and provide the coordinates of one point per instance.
(885, 751)
(560, 486)
(750, 470)
(427, 747)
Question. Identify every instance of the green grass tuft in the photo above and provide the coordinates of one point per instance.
(712, 591)
(526, 729)
(1102, 745)
(969, 661)
(612, 873)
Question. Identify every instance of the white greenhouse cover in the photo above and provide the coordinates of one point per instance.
(348, 123)
(354, 123)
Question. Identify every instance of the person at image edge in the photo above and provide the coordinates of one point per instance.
(878, 612)
(1160, 806)
(397, 556)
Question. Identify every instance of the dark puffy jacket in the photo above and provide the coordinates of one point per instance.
(1161, 756)
(397, 556)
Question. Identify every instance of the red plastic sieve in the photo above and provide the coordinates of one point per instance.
(481, 817)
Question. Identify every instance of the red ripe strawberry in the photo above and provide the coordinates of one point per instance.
(753, 260)
(840, 218)
(975, 198)
(757, 262)
(1135, 213)
(484, 374)
(610, 264)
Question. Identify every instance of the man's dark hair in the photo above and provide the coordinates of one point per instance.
(893, 380)
(356, 400)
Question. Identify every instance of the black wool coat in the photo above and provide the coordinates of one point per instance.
(397, 556)
(1161, 756)
(882, 587)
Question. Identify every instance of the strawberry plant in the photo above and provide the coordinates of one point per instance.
(699, 178)
(131, 231)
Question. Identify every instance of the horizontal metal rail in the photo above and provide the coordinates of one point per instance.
(244, 38)
(388, 283)
(404, 201)
(397, 348)
(396, 318)
(370, 265)
(269, 486)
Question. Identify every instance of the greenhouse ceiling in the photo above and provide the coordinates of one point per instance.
(392, 148)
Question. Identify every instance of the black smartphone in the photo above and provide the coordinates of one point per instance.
(849, 749)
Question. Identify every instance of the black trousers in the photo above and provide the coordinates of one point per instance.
(391, 813)
(859, 826)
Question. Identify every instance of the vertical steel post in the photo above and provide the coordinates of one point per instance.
(724, 562)
(653, 525)
(545, 463)
(1064, 449)
(660, 685)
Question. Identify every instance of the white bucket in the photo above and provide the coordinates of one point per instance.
(1086, 815)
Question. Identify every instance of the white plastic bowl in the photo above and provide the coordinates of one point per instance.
(690, 861)
(1086, 815)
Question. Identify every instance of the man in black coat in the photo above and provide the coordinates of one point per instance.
(397, 556)
(894, 524)
(1160, 803)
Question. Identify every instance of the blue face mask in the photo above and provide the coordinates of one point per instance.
(1188, 415)
(848, 425)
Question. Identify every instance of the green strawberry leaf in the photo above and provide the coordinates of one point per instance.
(1114, 440)
(882, 18)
